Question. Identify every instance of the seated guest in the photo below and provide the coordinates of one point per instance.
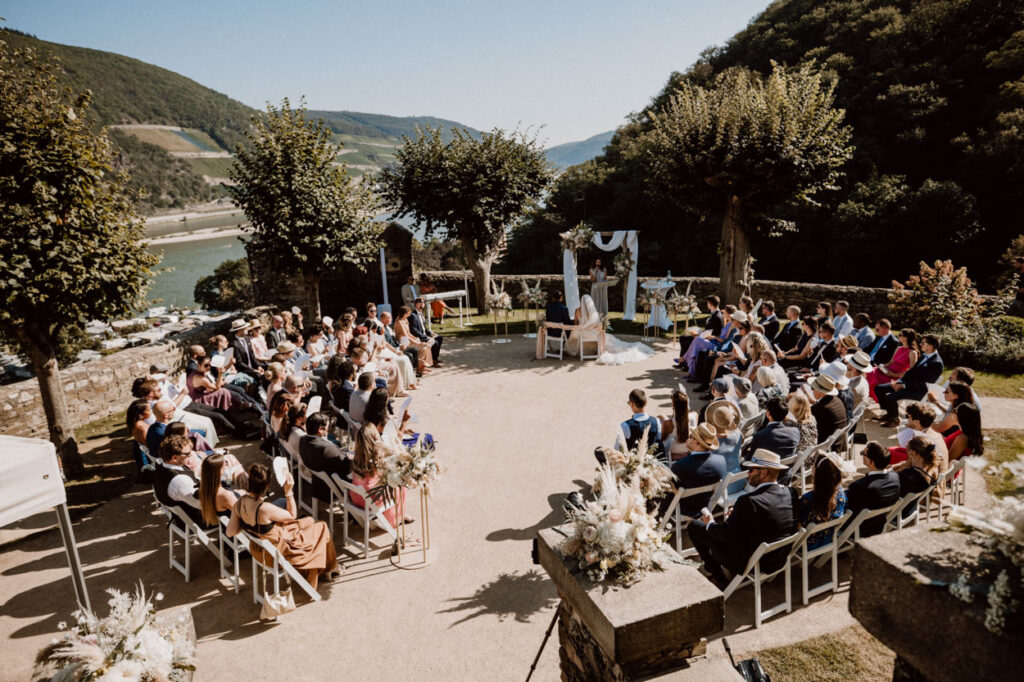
(766, 387)
(800, 354)
(920, 418)
(419, 330)
(701, 344)
(212, 392)
(342, 384)
(955, 393)
(789, 333)
(200, 448)
(215, 501)
(879, 488)
(921, 470)
(770, 360)
(828, 410)
(306, 544)
(862, 331)
(634, 428)
(371, 322)
(293, 428)
(745, 399)
(368, 452)
(275, 375)
(766, 514)
(195, 353)
(737, 327)
(676, 431)
(317, 453)
(137, 420)
(279, 408)
(857, 365)
(174, 484)
(403, 331)
(702, 466)
(779, 435)
(163, 413)
(825, 501)
(913, 385)
(824, 311)
(842, 322)
(966, 438)
(904, 358)
(719, 391)
(713, 325)
(366, 382)
(407, 358)
(557, 312)
(802, 418)
(885, 344)
(769, 321)
(724, 417)
(826, 349)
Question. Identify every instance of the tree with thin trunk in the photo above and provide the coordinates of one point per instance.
(748, 147)
(69, 235)
(306, 214)
(470, 189)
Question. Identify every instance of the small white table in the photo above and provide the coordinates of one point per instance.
(440, 296)
(659, 315)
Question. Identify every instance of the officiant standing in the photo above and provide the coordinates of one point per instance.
(599, 293)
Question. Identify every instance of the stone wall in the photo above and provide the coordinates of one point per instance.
(102, 387)
(871, 300)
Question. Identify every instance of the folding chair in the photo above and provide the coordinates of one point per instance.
(370, 512)
(237, 545)
(749, 427)
(752, 575)
(681, 520)
(912, 502)
(280, 568)
(594, 337)
(798, 467)
(557, 341)
(829, 551)
(850, 533)
(187, 531)
(726, 499)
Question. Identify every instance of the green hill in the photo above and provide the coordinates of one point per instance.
(355, 124)
(934, 91)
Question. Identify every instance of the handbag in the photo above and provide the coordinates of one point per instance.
(275, 605)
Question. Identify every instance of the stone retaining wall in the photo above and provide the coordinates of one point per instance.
(102, 387)
(871, 300)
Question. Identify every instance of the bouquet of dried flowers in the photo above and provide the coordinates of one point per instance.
(577, 239)
(640, 464)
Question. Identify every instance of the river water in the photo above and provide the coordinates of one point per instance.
(190, 261)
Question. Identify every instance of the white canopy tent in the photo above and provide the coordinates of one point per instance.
(30, 484)
(572, 289)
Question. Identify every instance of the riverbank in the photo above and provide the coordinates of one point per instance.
(195, 235)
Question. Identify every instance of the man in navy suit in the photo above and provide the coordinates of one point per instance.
(555, 311)
(769, 321)
(419, 330)
(878, 489)
(777, 436)
(885, 344)
(790, 332)
(766, 514)
(913, 385)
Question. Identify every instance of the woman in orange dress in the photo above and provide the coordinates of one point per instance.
(903, 359)
(305, 543)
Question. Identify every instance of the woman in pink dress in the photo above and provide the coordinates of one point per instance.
(370, 448)
(206, 392)
(903, 359)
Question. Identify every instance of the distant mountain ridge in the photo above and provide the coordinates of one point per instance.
(571, 153)
(382, 125)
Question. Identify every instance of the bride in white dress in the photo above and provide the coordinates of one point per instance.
(616, 352)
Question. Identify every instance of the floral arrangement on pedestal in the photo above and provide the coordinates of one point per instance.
(532, 297)
(648, 300)
(499, 299)
(412, 466)
(577, 239)
(1000, 530)
(684, 304)
(130, 643)
(614, 537)
(639, 464)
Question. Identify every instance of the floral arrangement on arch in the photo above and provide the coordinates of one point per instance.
(639, 464)
(623, 264)
(614, 537)
(130, 643)
(577, 239)
(534, 295)
(997, 577)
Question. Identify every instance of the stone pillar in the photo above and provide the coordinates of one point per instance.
(610, 633)
(899, 591)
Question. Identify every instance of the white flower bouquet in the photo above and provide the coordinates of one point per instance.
(131, 643)
(577, 239)
(614, 537)
(639, 464)
(410, 466)
(534, 295)
(622, 264)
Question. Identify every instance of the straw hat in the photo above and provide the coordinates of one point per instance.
(849, 341)
(706, 435)
(739, 316)
(860, 361)
(823, 383)
(723, 415)
(238, 325)
(285, 347)
(328, 321)
(256, 324)
(765, 459)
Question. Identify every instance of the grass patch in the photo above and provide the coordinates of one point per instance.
(850, 654)
(1002, 446)
(999, 385)
(215, 168)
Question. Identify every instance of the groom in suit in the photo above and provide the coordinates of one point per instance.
(557, 312)
(913, 384)
(419, 330)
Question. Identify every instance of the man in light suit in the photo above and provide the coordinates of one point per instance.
(409, 291)
(913, 385)
(419, 330)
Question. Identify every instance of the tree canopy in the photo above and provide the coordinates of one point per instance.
(69, 235)
(306, 214)
(467, 189)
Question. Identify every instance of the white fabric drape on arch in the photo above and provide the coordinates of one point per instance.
(572, 286)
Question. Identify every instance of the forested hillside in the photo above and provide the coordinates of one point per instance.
(379, 125)
(934, 92)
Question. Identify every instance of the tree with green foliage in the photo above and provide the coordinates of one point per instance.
(228, 288)
(69, 234)
(306, 214)
(749, 147)
(471, 190)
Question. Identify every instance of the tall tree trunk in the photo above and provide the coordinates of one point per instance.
(480, 264)
(39, 348)
(312, 282)
(733, 253)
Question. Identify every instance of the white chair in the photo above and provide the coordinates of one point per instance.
(911, 503)
(725, 499)
(749, 427)
(828, 551)
(588, 335)
(593, 338)
(752, 575)
(681, 520)
(237, 545)
(279, 568)
(557, 341)
(954, 479)
(799, 469)
(187, 531)
(370, 512)
(851, 533)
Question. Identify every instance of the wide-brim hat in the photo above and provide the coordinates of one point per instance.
(296, 310)
(706, 435)
(285, 347)
(256, 324)
(765, 459)
(723, 415)
(850, 341)
(860, 361)
(823, 383)
(238, 325)
(328, 321)
(739, 316)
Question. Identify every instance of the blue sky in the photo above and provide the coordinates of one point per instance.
(577, 68)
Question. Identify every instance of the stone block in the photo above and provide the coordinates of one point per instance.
(653, 625)
(900, 593)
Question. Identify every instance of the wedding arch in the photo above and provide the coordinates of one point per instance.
(616, 240)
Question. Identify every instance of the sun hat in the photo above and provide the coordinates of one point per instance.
(850, 341)
(739, 316)
(860, 361)
(285, 347)
(706, 435)
(238, 325)
(296, 310)
(765, 459)
(742, 386)
(723, 415)
(328, 321)
(823, 383)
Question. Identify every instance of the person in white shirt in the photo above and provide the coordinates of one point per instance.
(769, 360)
(357, 403)
(842, 321)
(857, 365)
(410, 292)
